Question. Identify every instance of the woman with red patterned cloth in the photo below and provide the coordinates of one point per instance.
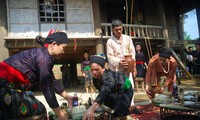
(29, 67)
(161, 64)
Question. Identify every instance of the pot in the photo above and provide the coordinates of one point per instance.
(130, 61)
(155, 89)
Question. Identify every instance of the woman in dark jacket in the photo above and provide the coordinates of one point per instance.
(115, 90)
(29, 67)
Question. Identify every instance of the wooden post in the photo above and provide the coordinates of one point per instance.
(96, 17)
(198, 14)
(163, 21)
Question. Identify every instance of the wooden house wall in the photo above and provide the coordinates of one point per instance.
(23, 19)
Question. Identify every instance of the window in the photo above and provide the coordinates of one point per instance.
(51, 11)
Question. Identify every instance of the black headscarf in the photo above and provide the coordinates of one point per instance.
(100, 60)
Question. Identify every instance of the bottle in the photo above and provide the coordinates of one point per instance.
(177, 72)
(89, 101)
(175, 92)
(75, 100)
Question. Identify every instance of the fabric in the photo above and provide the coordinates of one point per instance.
(140, 60)
(151, 112)
(58, 37)
(84, 64)
(37, 65)
(98, 59)
(88, 78)
(116, 49)
(112, 92)
(16, 104)
(155, 71)
(17, 78)
(85, 68)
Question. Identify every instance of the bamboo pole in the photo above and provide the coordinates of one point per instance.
(131, 20)
(145, 40)
(181, 64)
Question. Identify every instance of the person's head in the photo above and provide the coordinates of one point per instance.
(86, 55)
(97, 65)
(164, 55)
(190, 48)
(55, 43)
(138, 46)
(117, 28)
(197, 45)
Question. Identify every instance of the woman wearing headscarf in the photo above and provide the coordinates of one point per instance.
(115, 90)
(28, 68)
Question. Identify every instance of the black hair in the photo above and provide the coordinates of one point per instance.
(138, 43)
(165, 52)
(39, 39)
(116, 23)
(197, 44)
(58, 37)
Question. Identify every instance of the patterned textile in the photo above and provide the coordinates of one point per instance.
(150, 113)
(18, 104)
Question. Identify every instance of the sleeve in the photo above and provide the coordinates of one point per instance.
(132, 48)
(149, 73)
(110, 54)
(48, 86)
(106, 89)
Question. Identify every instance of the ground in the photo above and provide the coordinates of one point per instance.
(140, 98)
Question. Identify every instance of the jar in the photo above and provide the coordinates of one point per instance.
(130, 61)
(155, 89)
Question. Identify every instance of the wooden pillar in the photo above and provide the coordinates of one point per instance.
(99, 47)
(198, 14)
(161, 10)
(96, 17)
(74, 77)
(3, 30)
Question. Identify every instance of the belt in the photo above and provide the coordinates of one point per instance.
(139, 62)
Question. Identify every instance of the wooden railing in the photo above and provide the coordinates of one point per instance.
(136, 31)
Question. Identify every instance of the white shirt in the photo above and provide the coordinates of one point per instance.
(116, 49)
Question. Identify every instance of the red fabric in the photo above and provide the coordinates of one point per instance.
(139, 62)
(12, 75)
(150, 113)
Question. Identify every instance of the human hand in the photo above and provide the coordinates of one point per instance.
(148, 92)
(194, 58)
(70, 101)
(62, 116)
(89, 115)
(123, 63)
(84, 75)
(134, 73)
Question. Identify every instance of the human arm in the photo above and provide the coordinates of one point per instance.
(113, 54)
(89, 114)
(148, 78)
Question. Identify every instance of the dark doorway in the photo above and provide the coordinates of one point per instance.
(115, 10)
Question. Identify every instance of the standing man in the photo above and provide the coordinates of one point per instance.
(118, 46)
